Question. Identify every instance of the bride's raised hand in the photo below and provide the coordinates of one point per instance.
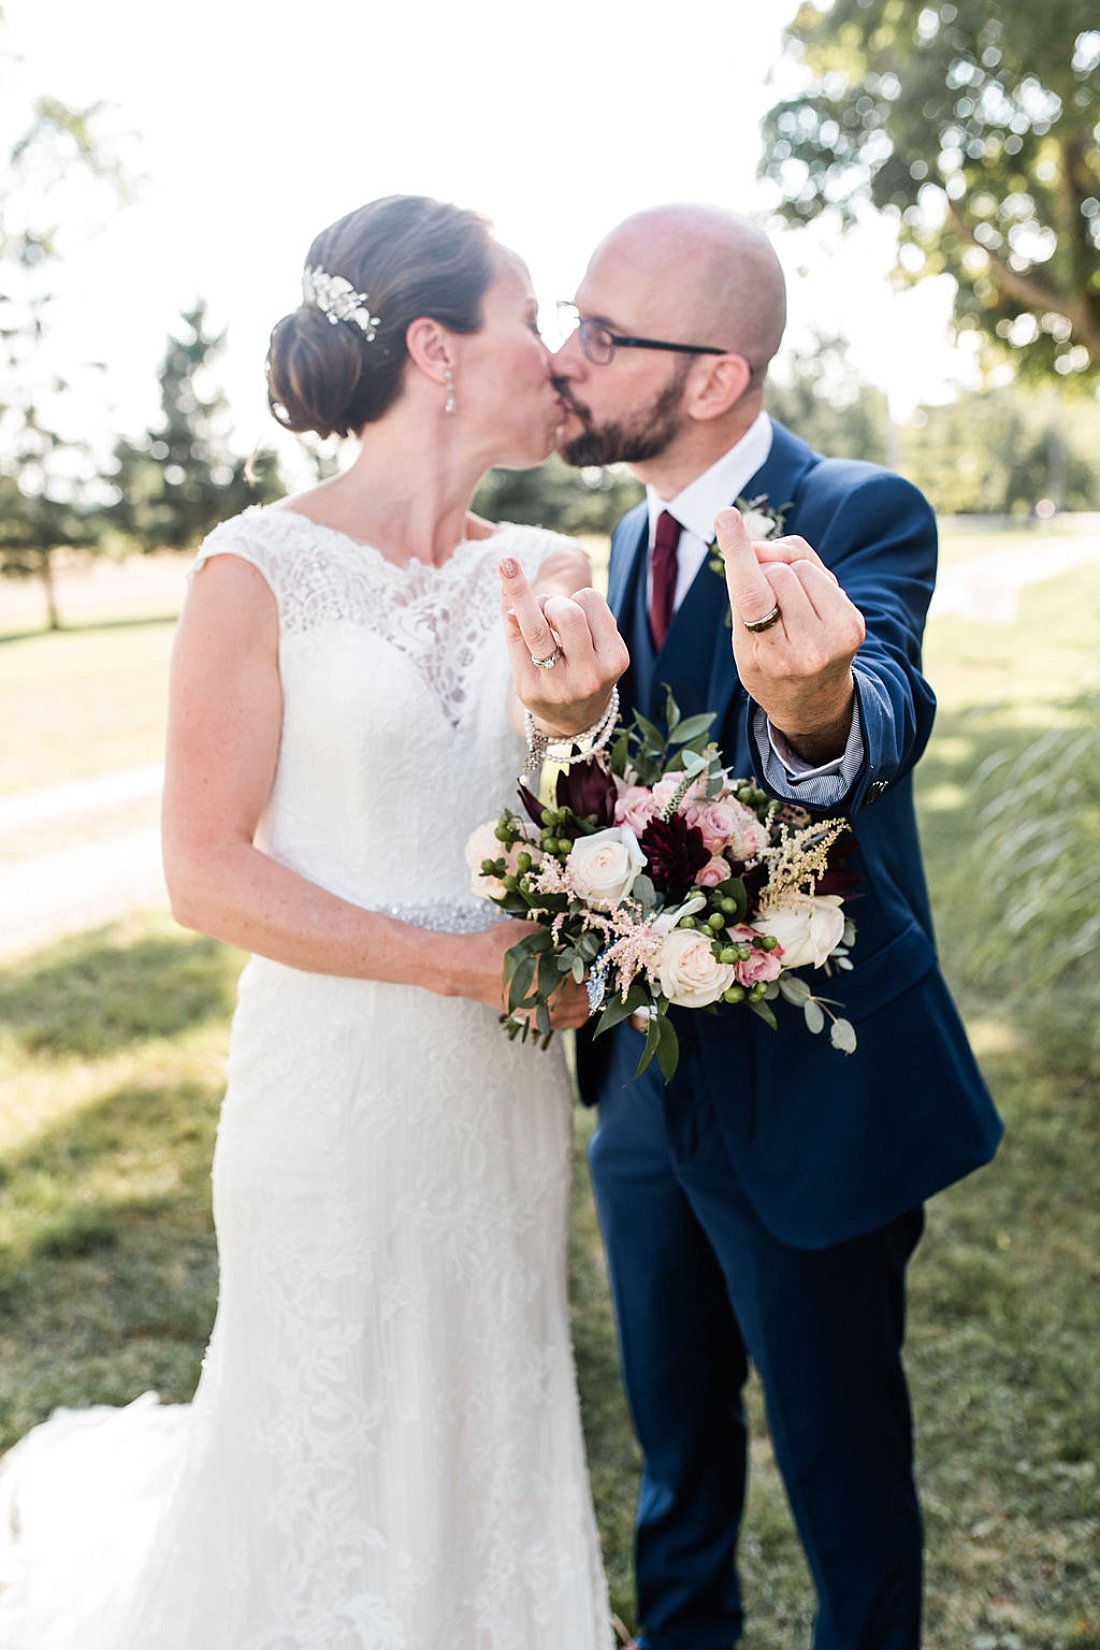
(483, 977)
(566, 651)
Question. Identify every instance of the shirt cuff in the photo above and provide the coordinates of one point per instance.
(790, 776)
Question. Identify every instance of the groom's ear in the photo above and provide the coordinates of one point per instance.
(716, 383)
(429, 348)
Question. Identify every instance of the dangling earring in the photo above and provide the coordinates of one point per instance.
(450, 405)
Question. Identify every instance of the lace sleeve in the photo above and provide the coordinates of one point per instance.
(239, 536)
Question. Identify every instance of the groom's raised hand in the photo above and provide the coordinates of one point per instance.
(798, 668)
(578, 633)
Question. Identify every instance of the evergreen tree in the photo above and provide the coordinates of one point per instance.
(181, 478)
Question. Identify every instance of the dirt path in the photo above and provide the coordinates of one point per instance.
(76, 855)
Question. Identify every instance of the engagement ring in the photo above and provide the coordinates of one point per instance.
(552, 658)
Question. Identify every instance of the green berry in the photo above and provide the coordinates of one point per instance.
(728, 954)
(503, 832)
(729, 906)
(768, 942)
(564, 845)
(744, 952)
(686, 922)
(716, 921)
(735, 994)
(524, 861)
(546, 818)
(745, 794)
(510, 882)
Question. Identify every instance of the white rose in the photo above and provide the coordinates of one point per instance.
(690, 974)
(603, 867)
(809, 927)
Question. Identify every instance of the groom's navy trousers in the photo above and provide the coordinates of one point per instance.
(762, 1208)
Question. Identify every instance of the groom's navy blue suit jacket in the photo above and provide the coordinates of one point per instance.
(827, 1145)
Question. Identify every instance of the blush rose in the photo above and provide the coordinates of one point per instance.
(603, 867)
(691, 975)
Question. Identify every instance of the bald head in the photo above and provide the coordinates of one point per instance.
(715, 274)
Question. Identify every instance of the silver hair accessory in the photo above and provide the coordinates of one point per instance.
(338, 299)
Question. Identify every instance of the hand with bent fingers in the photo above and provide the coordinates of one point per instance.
(799, 669)
(579, 632)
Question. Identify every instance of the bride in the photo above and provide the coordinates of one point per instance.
(384, 1449)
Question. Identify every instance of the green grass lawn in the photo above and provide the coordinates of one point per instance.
(83, 701)
(111, 1067)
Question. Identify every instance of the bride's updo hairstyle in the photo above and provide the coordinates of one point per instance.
(406, 256)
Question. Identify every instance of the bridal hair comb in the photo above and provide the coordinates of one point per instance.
(338, 299)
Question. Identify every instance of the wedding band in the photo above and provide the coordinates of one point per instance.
(551, 659)
(757, 625)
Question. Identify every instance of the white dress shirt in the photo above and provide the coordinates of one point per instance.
(695, 508)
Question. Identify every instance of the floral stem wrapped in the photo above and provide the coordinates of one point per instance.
(663, 882)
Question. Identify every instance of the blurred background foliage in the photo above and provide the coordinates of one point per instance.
(972, 126)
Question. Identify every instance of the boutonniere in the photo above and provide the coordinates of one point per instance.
(761, 522)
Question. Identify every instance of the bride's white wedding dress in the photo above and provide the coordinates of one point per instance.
(384, 1450)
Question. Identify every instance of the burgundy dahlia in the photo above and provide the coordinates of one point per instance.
(590, 791)
(674, 852)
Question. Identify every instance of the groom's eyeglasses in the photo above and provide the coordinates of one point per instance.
(599, 343)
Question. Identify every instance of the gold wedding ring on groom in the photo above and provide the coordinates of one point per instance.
(551, 659)
(757, 625)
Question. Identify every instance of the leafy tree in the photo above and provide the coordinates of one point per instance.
(975, 122)
(819, 396)
(554, 495)
(47, 482)
(1002, 451)
(181, 477)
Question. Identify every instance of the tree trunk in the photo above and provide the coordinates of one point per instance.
(51, 590)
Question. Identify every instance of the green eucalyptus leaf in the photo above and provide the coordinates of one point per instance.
(814, 1015)
(693, 727)
(842, 1035)
(794, 989)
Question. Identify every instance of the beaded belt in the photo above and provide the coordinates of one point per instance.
(454, 916)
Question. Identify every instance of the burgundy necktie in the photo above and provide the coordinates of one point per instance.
(664, 570)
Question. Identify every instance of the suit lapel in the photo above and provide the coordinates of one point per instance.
(628, 542)
(696, 661)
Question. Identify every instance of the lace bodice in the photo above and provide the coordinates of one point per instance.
(395, 686)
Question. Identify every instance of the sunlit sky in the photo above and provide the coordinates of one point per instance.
(253, 123)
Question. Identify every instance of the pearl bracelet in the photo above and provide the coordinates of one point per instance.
(542, 747)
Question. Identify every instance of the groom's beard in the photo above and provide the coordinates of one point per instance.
(646, 434)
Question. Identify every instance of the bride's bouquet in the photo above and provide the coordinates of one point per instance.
(662, 882)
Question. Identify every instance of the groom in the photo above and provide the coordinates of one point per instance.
(762, 1209)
